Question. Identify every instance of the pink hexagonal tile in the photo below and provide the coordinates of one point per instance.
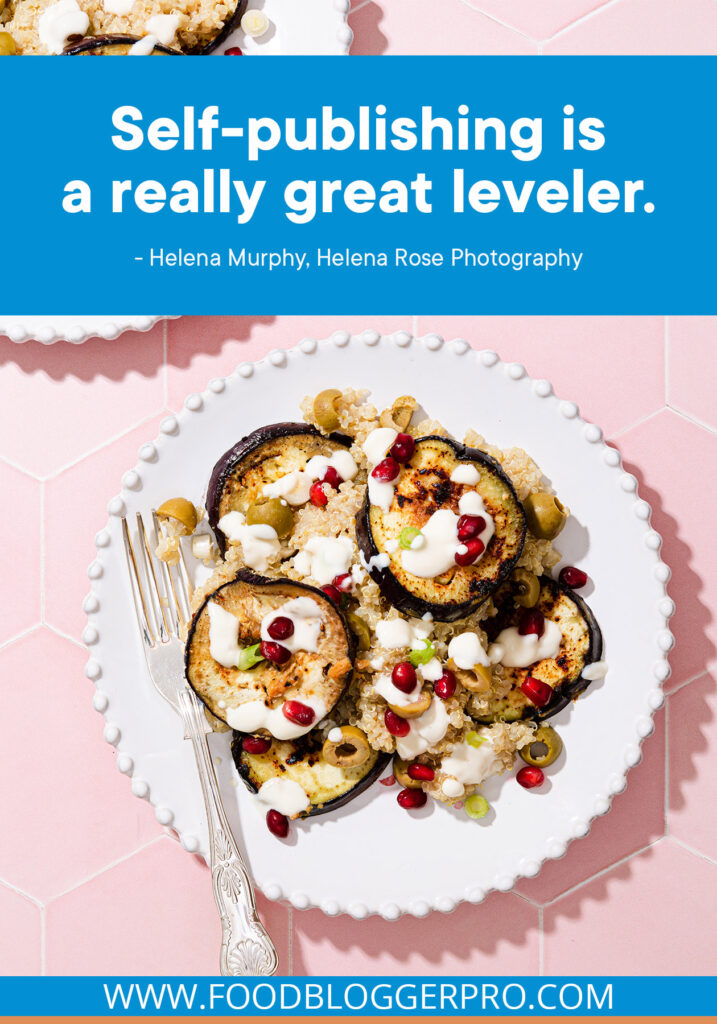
(20, 524)
(537, 20)
(152, 914)
(652, 915)
(414, 26)
(75, 510)
(93, 390)
(692, 742)
(20, 935)
(72, 813)
(498, 937)
(670, 456)
(644, 27)
(690, 386)
(200, 348)
(636, 818)
(613, 367)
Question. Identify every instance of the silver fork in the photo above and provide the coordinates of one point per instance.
(162, 613)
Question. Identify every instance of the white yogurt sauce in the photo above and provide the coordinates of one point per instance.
(471, 765)
(143, 47)
(163, 27)
(426, 731)
(380, 561)
(118, 6)
(306, 616)
(518, 651)
(259, 542)
(381, 492)
(323, 558)
(254, 714)
(453, 788)
(396, 633)
(59, 21)
(295, 487)
(432, 671)
(465, 473)
(375, 447)
(467, 651)
(439, 545)
(391, 546)
(335, 736)
(223, 635)
(284, 795)
(597, 670)
(384, 687)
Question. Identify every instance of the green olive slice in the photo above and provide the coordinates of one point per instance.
(274, 513)
(7, 44)
(325, 412)
(527, 588)
(181, 510)
(350, 751)
(418, 707)
(400, 771)
(361, 629)
(545, 514)
(544, 748)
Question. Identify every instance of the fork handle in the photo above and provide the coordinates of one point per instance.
(246, 946)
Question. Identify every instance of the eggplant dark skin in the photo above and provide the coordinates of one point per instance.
(250, 446)
(503, 552)
(92, 46)
(568, 691)
(204, 687)
(306, 749)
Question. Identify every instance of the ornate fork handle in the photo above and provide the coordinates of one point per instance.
(246, 947)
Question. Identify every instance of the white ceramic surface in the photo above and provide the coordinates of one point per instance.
(297, 28)
(371, 856)
(75, 329)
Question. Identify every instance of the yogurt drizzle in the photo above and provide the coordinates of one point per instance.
(260, 543)
(516, 651)
(295, 487)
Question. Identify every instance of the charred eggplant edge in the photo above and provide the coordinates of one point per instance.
(339, 801)
(247, 576)
(227, 463)
(95, 42)
(394, 591)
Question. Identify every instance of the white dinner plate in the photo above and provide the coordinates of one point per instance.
(371, 856)
(75, 329)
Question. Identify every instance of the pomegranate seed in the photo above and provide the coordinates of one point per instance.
(344, 582)
(531, 621)
(390, 780)
(255, 744)
(572, 577)
(332, 478)
(274, 652)
(529, 778)
(386, 471)
(233, 51)
(277, 823)
(445, 687)
(402, 448)
(470, 526)
(332, 593)
(298, 713)
(396, 725)
(537, 691)
(280, 628)
(474, 548)
(404, 677)
(411, 799)
(421, 773)
(317, 495)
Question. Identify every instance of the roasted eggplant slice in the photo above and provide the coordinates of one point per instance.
(581, 645)
(423, 488)
(228, 625)
(113, 46)
(327, 786)
(261, 458)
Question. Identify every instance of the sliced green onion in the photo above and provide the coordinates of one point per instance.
(406, 537)
(248, 658)
(476, 806)
(422, 656)
(474, 740)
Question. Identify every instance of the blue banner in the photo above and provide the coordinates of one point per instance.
(304, 185)
(360, 996)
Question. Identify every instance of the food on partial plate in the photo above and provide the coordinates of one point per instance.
(117, 27)
(371, 590)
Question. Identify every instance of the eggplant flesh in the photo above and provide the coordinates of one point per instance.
(113, 46)
(327, 786)
(581, 645)
(321, 674)
(424, 487)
